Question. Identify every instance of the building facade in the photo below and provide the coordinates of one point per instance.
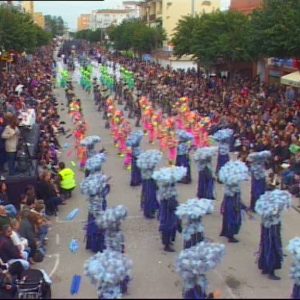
(133, 9)
(83, 22)
(169, 12)
(39, 19)
(28, 6)
(105, 18)
(245, 6)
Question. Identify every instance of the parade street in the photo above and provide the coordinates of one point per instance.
(154, 274)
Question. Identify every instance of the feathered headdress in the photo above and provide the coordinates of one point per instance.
(107, 270)
(94, 184)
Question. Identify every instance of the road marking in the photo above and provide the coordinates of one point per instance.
(57, 260)
(232, 295)
(57, 239)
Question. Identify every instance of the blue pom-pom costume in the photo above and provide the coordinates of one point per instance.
(147, 162)
(270, 206)
(183, 159)
(231, 174)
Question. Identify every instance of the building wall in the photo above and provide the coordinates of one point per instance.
(28, 7)
(133, 8)
(39, 19)
(83, 22)
(245, 6)
(173, 11)
(104, 19)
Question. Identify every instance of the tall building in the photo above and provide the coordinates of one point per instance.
(28, 6)
(169, 12)
(104, 18)
(133, 8)
(83, 22)
(245, 6)
(39, 19)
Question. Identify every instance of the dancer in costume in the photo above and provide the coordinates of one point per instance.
(232, 174)
(185, 140)
(134, 141)
(294, 248)
(166, 179)
(192, 265)
(206, 181)
(108, 271)
(258, 171)
(223, 137)
(190, 214)
(270, 206)
(147, 162)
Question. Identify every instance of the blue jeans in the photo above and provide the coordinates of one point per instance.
(288, 177)
(11, 160)
(11, 210)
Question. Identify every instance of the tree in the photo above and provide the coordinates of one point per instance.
(137, 36)
(276, 29)
(18, 32)
(90, 35)
(55, 25)
(182, 38)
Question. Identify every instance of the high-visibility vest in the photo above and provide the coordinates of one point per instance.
(67, 179)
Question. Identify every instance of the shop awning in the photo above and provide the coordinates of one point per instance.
(292, 79)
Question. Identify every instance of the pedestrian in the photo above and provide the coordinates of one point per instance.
(294, 248)
(66, 180)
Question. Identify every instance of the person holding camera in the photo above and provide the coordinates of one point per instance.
(11, 135)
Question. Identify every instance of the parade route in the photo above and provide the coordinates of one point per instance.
(154, 274)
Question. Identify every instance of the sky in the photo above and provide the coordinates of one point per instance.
(70, 10)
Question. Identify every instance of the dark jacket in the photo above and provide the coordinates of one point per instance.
(27, 231)
(8, 250)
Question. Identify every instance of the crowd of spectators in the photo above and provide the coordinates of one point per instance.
(28, 83)
(263, 117)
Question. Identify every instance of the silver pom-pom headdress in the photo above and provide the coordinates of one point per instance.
(165, 179)
(184, 136)
(90, 140)
(257, 161)
(107, 270)
(271, 204)
(232, 174)
(294, 248)
(135, 138)
(203, 156)
(192, 264)
(147, 161)
(223, 135)
(94, 163)
(191, 214)
(110, 221)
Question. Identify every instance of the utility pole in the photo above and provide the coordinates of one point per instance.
(193, 8)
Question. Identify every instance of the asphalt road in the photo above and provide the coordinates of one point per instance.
(154, 274)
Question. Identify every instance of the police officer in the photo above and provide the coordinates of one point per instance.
(67, 180)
